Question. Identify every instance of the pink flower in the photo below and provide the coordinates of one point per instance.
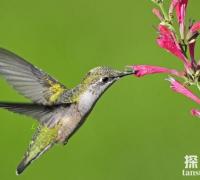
(191, 38)
(173, 6)
(157, 13)
(193, 32)
(191, 49)
(167, 40)
(180, 47)
(142, 70)
(195, 112)
(195, 27)
(180, 6)
(179, 88)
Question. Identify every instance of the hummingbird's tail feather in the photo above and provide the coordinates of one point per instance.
(43, 139)
(26, 161)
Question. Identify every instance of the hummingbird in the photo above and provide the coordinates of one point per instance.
(59, 111)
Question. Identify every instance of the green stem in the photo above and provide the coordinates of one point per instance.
(198, 86)
(163, 11)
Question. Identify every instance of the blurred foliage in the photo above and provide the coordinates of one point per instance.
(139, 129)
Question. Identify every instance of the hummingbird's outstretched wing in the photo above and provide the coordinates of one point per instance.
(28, 80)
(46, 115)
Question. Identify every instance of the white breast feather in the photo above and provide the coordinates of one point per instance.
(86, 101)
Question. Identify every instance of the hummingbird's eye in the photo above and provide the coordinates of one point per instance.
(105, 79)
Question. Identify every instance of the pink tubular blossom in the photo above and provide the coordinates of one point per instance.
(192, 50)
(157, 13)
(193, 32)
(181, 10)
(179, 88)
(173, 6)
(180, 6)
(167, 40)
(142, 70)
(195, 112)
(195, 27)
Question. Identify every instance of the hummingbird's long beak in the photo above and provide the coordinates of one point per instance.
(127, 72)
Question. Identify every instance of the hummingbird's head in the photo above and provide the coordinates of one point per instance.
(100, 78)
(95, 83)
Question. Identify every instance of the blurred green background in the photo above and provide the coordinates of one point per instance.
(139, 130)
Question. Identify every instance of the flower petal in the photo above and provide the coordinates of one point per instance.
(192, 55)
(172, 7)
(142, 70)
(195, 27)
(167, 40)
(157, 13)
(181, 10)
(193, 32)
(179, 88)
(195, 112)
(180, 6)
